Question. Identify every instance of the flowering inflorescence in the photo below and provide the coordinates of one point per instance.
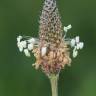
(26, 44)
(30, 45)
(52, 48)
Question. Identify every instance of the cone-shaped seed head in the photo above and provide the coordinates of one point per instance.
(56, 54)
(50, 24)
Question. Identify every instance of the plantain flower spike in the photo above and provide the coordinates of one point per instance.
(50, 35)
(51, 50)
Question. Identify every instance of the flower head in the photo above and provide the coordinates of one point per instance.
(51, 50)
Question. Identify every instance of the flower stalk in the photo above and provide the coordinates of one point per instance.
(54, 84)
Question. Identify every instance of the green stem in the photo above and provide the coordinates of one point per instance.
(54, 84)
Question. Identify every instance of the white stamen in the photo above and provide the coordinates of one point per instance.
(20, 46)
(75, 53)
(30, 46)
(77, 39)
(19, 38)
(32, 40)
(43, 51)
(67, 28)
(23, 44)
(21, 49)
(78, 46)
(81, 45)
(27, 52)
(72, 42)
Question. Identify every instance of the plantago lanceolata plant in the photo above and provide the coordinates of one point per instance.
(52, 48)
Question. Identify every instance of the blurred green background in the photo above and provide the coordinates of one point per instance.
(17, 77)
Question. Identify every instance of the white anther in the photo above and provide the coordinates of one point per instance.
(77, 39)
(32, 40)
(20, 46)
(27, 52)
(43, 51)
(67, 28)
(30, 46)
(73, 42)
(81, 45)
(23, 44)
(75, 53)
(19, 38)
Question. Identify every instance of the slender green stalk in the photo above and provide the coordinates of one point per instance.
(54, 84)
